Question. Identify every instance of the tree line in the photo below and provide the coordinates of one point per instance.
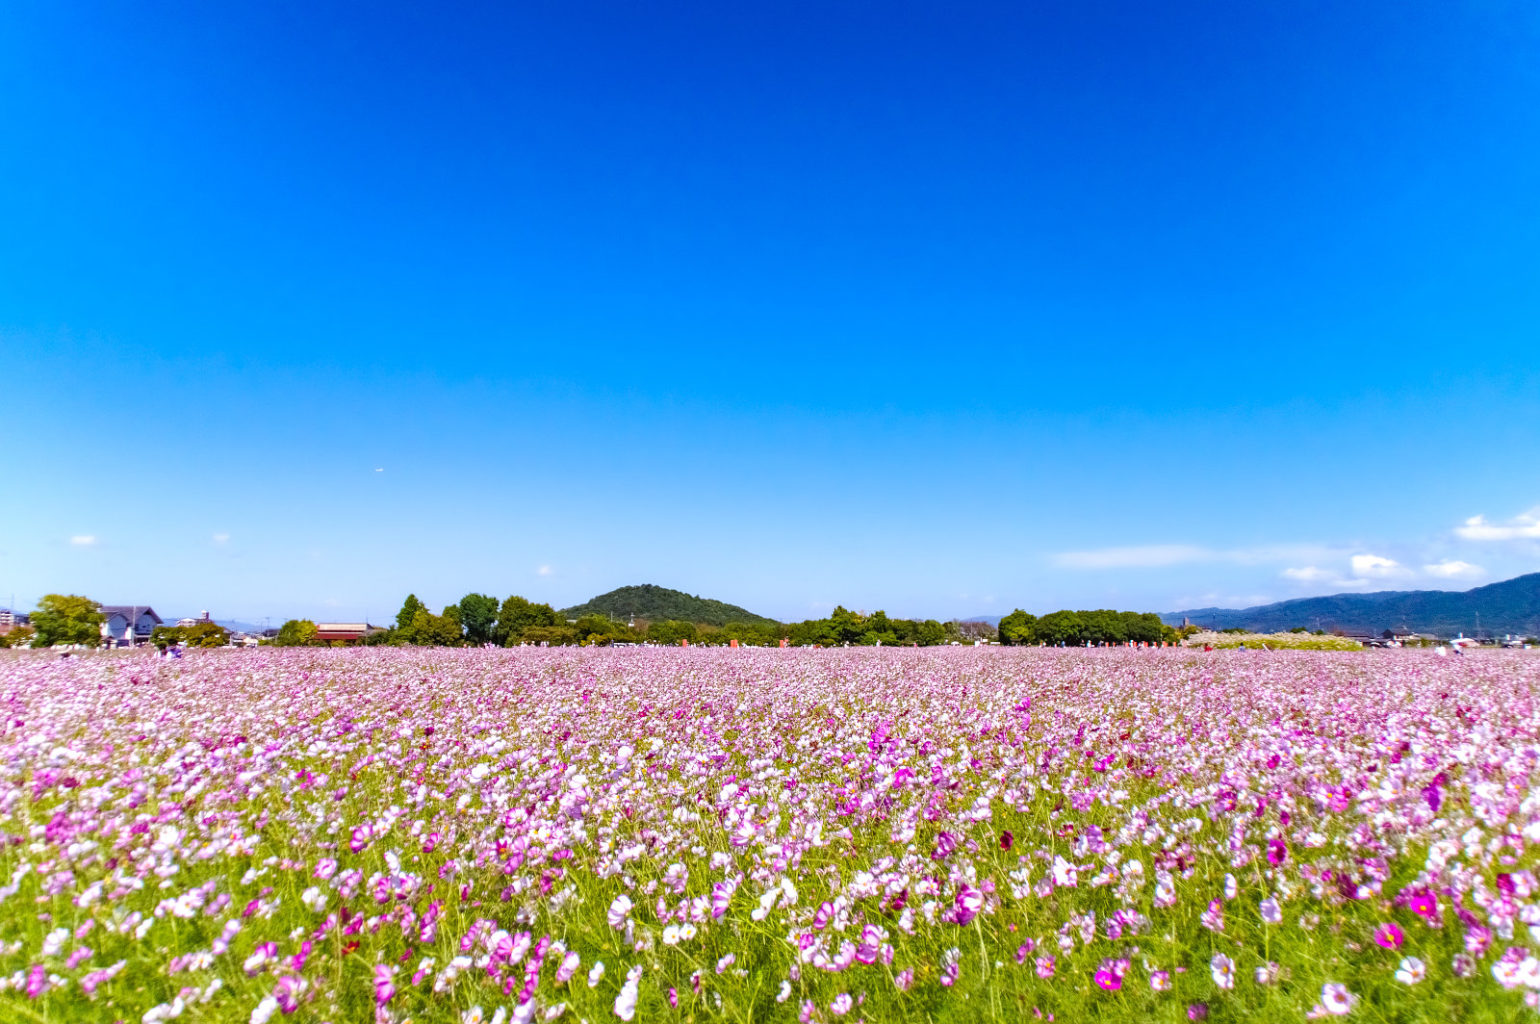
(479, 619)
(1078, 628)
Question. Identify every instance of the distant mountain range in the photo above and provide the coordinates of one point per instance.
(1512, 606)
(658, 604)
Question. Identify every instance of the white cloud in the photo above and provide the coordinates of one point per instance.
(1375, 566)
(221, 538)
(1149, 556)
(1309, 574)
(1160, 556)
(1453, 568)
(1525, 526)
(83, 540)
(545, 570)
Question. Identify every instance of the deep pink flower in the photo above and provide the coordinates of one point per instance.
(1389, 935)
(968, 903)
(1424, 904)
(384, 987)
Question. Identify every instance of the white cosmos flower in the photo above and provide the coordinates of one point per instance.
(620, 907)
(626, 1003)
(595, 973)
(1337, 999)
(1223, 970)
(1412, 971)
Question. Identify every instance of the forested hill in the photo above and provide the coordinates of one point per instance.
(1512, 606)
(657, 604)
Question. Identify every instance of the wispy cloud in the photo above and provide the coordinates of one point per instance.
(1309, 574)
(1453, 568)
(221, 538)
(1148, 556)
(1376, 566)
(84, 540)
(545, 570)
(1324, 579)
(1524, 526)
(1161, 556)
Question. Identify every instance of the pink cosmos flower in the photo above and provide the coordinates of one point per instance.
(620, 908)
(1389, 935)
(968, 903)
(1424, 904)
(1045, 966)
(287, 992)
(384, 987)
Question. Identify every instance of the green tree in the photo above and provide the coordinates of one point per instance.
(67, 619)
(518, 615)
(429, 630)
(478, 616)
(747, 633)
(671, 631)
(1017, 628)
(1061, 627)
(553, 635)
(930, 633)
(296, 633)
(601, 629)
(846, 625)
(408, 612)
(206, 634)
(19, 636)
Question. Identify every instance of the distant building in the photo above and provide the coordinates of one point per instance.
(184, 623)
(127, 625)
(9, 620)
(346, 632)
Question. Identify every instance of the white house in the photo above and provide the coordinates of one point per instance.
(116, 620)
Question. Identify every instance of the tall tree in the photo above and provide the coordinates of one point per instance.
(930, 633)
(67, 619)
(1016, 628)
(671, 631)
(517, 615)
(409, 611)
(478, 616)
(295, 633)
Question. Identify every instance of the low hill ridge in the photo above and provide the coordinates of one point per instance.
(1511, 606)
(656, 604)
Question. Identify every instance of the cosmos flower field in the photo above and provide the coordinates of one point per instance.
(744, 835)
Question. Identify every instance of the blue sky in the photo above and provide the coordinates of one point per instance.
(943, 309)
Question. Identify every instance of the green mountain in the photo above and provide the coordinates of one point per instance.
(1512, 606)
(656, 604)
